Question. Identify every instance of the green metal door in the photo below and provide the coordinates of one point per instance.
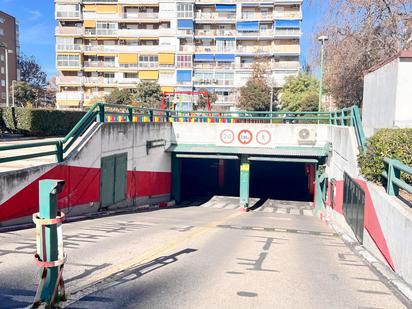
(120, 177)
(113, 179)
(107, 181)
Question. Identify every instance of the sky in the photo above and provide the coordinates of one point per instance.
(37, 24)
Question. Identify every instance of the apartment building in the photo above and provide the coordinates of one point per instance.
(9, 51)
(185, 45)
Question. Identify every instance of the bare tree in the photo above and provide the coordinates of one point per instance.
(362, 33)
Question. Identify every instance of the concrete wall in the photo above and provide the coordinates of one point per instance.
(281, 134)
(387, 96)
(403, 113)
(148, 176)
(380, 98)
(388, 221)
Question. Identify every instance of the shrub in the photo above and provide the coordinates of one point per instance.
(386, 143)
(39, 122)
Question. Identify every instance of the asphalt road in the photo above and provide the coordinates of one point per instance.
(208, 256)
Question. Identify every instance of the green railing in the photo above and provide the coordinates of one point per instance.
(102, 112)
(392, 173)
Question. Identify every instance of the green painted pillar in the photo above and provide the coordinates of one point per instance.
(244, 181)
(176, 178)
(48, 190)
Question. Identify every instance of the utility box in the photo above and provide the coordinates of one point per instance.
(387, 97)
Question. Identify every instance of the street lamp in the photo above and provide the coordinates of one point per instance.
(6, 58)
(322, 39)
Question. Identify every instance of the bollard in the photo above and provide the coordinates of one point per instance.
(49, 256)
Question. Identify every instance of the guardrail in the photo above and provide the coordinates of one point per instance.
(392, 173)
(102, 112)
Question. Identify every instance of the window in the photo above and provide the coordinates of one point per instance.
(148, 61)
(224, 78)
(1, 20)
(1, 31)
(130, 75)
(226, 45)
(3, 95)
(2, 57)
(185, 10)
(3, 83)
(68, 60)
(184, 61)
(2, 70)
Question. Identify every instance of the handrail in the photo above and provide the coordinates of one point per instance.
(108, 112)
(392, 173)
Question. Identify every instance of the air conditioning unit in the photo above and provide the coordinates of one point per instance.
(306, 135)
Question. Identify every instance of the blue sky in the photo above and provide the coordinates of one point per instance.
(36, 19)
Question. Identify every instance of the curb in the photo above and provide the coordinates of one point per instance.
(395, 283)
(95, 215)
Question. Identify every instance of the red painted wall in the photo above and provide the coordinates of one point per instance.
(82, 186)
(371, 221)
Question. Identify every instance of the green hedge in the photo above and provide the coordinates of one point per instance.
(390, 143)
(39, 122)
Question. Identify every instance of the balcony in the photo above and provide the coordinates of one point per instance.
(101, 32)
(187, 48)
(99, 64)
(205, 49)
(287, 49)
(293, 14)
(140, 15)
(68, 14)
(68, 64)
(137, 33)
(184, 32)
(256, 34)
(69, 31)
(212, 82)
(213, 65)
(217, 32)
(287, 33)
(69, 47)
(286, 65)
(212, 16)
(255, 49)
(69, 80)
(257, 16)
(69, 95)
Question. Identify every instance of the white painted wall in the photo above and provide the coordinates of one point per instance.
(387, 97)
(379, 98)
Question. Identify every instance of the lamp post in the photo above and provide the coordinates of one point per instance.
(6, 58)
(322, 39)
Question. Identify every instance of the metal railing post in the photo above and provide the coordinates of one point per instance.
(59, 151)
(50, 256)
(151, 115)
(393, 173)
(101, 112)
(130, 111)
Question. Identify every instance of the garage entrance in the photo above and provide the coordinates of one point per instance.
(200, 177)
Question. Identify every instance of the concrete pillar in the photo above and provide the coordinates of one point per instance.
(244, 181)
(176, 178)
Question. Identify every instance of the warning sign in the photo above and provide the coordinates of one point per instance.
(263, 137)
(245, 137)
(227, 136)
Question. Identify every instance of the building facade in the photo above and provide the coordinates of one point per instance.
(184, 45)
(9, 51)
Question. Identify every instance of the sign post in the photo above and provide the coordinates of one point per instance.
(244, 182)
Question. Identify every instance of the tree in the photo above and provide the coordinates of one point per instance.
(148, 94)
(120, 96)
(24, 94)
(202, 100)
(300, 93)
(255, 95)
(31, 72)
(361, 35)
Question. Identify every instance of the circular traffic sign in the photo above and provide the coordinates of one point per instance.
(245, 137)
(227, 136)
(263, 137)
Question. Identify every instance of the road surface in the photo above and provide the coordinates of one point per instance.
(208, 256)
